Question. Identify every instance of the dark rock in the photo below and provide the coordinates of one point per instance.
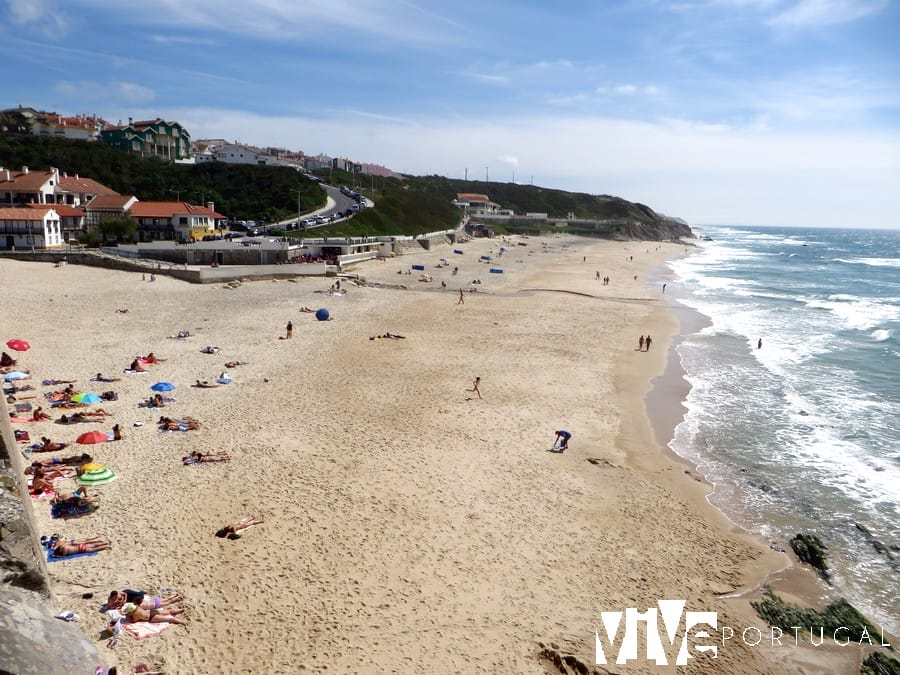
(837, 614)
(878, 663)
(811, 550)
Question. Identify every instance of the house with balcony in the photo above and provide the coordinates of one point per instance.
(107, 206)
(72, 220)
(150, 138)
(30, 228)
(20, 188)
(475, 203)
(175, 221)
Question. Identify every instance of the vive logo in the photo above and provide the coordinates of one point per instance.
(659, 647)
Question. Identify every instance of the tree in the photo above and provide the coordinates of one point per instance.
(118, 228)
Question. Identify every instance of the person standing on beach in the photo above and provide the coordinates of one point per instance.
(475, 389)
(290, 330)
(664, 288)
(759, 344)
(647, 343)
(641, 344)
(462, 299)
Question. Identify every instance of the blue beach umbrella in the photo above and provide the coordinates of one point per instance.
(86, 398)
(15, 375)
(163, 386)
(322, 314)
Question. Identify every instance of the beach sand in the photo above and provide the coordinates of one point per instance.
(409, 526)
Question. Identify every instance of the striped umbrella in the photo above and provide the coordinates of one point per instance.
(95, 474)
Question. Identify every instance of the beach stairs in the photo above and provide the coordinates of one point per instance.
(406, 246)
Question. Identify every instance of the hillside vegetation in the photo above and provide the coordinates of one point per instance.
(240, 191)
(410, 206)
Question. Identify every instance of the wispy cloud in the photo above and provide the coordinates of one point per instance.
(37, 13)
(488, 78)
(183, 39)
(826, 12)
(109, 93)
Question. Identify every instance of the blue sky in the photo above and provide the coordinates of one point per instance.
(769, 112)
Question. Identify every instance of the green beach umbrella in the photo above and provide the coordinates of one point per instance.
(96, 475)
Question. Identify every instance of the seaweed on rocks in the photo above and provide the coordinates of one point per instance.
(811, 550)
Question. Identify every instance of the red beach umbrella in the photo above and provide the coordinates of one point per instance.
(18, 345)
(90, 437)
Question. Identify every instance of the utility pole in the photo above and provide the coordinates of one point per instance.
(467, 173)
(486, 179)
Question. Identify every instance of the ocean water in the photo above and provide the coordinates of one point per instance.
(802, 433)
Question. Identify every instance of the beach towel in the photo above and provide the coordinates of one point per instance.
(129, 371)
(23, 407)
(21, 420)
(21, 436)
(51, 558)
(144, 629)
(67, 509)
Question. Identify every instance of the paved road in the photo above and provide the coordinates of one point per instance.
(336, 202)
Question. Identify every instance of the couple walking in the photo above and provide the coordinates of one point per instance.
(644, 343)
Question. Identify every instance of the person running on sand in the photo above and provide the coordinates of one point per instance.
(462, 298)
(75, 546)
(475, 386)
(233, 531)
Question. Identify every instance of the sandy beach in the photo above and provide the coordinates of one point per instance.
(409, 525)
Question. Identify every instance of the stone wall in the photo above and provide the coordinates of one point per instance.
(32, 639)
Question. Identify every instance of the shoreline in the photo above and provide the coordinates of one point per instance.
(793, 581)
(390, 495)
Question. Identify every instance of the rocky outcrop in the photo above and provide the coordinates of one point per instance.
(811, 550)
(36, 642)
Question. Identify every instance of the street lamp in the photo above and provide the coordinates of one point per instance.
(178, 192)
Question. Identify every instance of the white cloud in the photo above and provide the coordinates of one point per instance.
(827, 12)
(487, 77)
(701, 172)
(108, 93)
(37, 13)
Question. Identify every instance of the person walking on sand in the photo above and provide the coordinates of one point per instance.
(289, 330)
(462, 298)
(759, 344)
(641, 344)
(475, 389)
(647, 342)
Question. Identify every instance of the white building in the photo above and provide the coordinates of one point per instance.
(241, 154)
(30, 228)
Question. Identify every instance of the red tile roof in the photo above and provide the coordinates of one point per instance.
(82, 185)
(36, 213)
(170, 209)
(64, 210)
(472, 197)
(23, 182)
(113, 201)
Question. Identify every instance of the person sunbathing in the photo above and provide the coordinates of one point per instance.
(49, 446)
(206, 384)
(233, 531)
(6, 361)
(235, 364)
(187, 423)
(119, 599)
(162, 615)
(307, 310)
(109, 396)
(50, 471)
(39, 415)
(60, 461)
(75, 418)
(99, 412)
(137, 367)
(100, 378)
(75, 546)
(40, 483)
(79, 497)
(152, 358)
(209, 349)
(198, 457)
